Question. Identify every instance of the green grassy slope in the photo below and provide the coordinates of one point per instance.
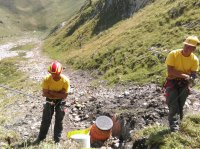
(160, 137)
(43, 15)
(131, 50)
(8, 23)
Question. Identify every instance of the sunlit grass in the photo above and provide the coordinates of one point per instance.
(49, 144)
(160, 136)
(8, 70)
(12, 83)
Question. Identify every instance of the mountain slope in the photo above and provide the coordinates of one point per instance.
(131, 49)
(26, 15)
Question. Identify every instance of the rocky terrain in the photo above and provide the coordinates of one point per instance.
(134, 106)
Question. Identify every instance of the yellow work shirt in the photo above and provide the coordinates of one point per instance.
(50, 84)
(182, 63)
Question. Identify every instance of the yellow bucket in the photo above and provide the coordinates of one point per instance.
(75, 132)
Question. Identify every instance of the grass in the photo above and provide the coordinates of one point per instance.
(160, 136)
(132, 50)
(9, 71)
(49, 145)
(13, 78)
(6, 136)
(7, 22)
(9, 74)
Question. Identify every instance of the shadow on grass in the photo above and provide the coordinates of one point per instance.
(154, 140)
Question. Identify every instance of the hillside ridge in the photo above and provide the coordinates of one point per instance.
(29, 15)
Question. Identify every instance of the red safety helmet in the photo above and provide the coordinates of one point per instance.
(55, 67)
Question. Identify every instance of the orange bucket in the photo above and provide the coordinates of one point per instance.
(97, 134)
(102, 129)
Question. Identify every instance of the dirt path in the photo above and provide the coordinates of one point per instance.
(138, 105)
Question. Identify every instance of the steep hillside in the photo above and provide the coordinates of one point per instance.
(125, 40)
(7, 23)
(26, 15)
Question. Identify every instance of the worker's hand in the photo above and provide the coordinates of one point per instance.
(63, 106)
(186, 77)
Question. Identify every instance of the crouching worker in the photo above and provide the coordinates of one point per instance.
(182, 66)
(55, 88)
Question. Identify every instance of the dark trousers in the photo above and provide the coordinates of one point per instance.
(48, 112)
(176, 94)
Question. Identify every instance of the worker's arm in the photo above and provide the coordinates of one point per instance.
(176, 74)
(55, 94)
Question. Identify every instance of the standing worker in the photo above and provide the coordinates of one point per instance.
(55, 88)
(182, 66)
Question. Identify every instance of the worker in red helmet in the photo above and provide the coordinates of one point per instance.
(55, 88)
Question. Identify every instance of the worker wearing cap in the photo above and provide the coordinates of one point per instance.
(182, 65)
(55, 88)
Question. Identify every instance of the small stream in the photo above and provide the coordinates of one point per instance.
(5, 49)
(6, 52)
